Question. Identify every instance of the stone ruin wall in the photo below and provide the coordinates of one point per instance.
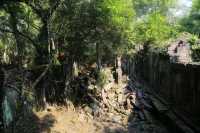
(177, 83)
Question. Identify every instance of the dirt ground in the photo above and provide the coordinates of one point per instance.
(63, 120)
(112, 118)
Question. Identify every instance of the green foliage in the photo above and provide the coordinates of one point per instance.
(121, 20)
(108, 23)
(73, 25)
(153, 25)
(155, 30)
(193, 40)
(195, 6)
(77, 26)
(27, 21)
(19, 27)
(145, 7)
(120, 12)
(191, 23)
(7, 48)
(195, 47)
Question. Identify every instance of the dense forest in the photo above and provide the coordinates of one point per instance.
(67, 53)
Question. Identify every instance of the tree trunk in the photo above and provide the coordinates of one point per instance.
(98, 56)
(1, 100)
(43, 51)
(19, 43)
(118, 70)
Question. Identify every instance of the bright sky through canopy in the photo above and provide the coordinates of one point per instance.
(183, 7)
